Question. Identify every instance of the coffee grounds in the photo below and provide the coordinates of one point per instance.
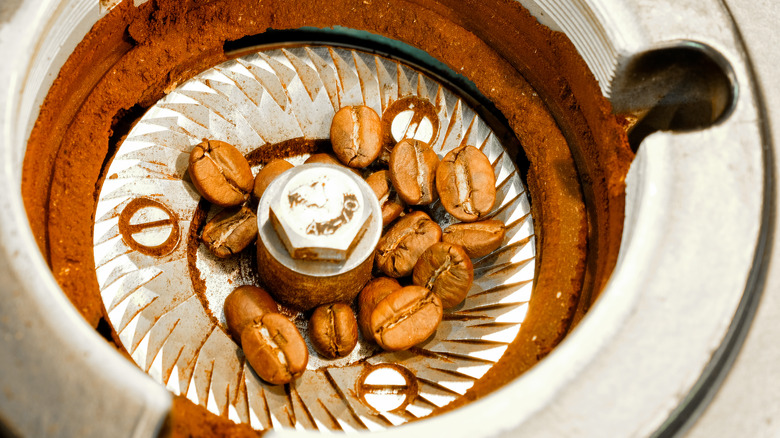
(190, 420)
(577, 150)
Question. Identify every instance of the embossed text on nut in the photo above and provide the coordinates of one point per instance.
(320, 214)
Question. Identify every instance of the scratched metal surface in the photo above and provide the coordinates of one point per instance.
(176, 333)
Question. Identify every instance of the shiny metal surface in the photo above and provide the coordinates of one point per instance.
(744, 402)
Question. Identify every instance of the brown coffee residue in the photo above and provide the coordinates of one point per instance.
(190, 420)
(286, 149)
(577, 150)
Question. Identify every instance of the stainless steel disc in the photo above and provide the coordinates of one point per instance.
(164, 292)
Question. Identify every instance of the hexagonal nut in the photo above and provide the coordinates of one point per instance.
(320, 214)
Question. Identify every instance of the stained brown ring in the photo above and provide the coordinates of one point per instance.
(409, 390)
(422, 109)
(127, 230)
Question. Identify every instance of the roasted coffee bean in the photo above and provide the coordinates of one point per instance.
(413, 166)
(333, 330)
(275, 349)
(405, 318)
(230, 231)
(329, 159)
(371, 294)
(466, 183)
(356, 135)
(220, 173)
(267, 174)
(446, 270)
(398, 250)
(391, 203)
(477, 238)
(245, 304)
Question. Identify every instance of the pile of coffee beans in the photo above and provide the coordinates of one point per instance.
(223, 177)
(272, 343)
(420, 269)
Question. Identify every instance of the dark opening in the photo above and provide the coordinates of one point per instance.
(104, 330)
(681, 88)
(123, 122)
